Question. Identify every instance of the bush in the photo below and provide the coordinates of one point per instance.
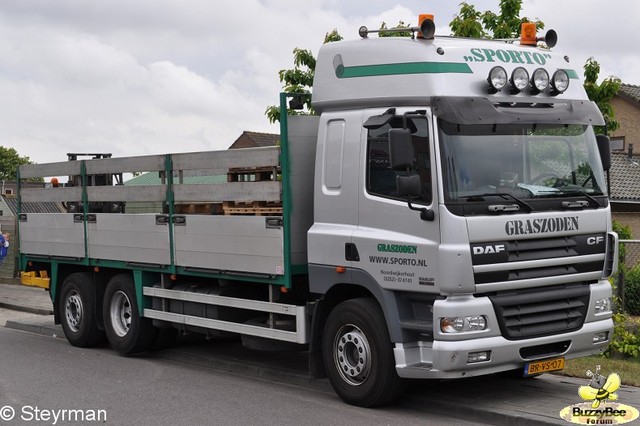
(632, 290)
(625, 340)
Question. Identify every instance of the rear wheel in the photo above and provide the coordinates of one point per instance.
(358, 356)
(78, 311)
(126, 331)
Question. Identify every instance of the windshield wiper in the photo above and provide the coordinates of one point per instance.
(574, 192)
(480, 197)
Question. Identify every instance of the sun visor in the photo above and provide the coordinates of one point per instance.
(478, 110)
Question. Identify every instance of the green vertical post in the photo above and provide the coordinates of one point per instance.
(21, 267)
(85, 209)
(169, 199)
(286, 188)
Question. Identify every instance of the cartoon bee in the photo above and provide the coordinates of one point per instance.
(600, 388)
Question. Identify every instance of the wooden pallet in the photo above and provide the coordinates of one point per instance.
(253, 211)
(256, 208)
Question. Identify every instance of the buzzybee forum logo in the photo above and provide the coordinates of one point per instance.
(600, 407)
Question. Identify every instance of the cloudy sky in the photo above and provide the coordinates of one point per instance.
(135, 77)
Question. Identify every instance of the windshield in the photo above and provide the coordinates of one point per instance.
(523, 162)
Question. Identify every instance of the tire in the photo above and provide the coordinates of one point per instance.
(126, 331)
(78, 311)
(358, 356)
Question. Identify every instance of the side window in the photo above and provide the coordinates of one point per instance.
(381, 179)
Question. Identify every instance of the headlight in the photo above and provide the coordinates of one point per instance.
(602, 305)
(519, 79)
(560, 81)
(463, 324)
(540, 80)
(497, 78)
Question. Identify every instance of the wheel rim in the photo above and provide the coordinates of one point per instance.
(120, 310)
(352, 355)
(73, 310)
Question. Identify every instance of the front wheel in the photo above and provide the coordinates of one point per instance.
(358, 356)
(126, 331)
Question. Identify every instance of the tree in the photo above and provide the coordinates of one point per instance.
(471, 23)
(300, 79)
(399, 33)
(601, 94)
(9, 162)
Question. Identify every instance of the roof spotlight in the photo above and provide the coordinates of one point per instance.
(539, 80)
(560, 81)
(519, 79)
(497, 79)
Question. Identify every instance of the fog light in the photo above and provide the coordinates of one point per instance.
(462, 324)
(497, 79)
(519, 79)
(540, 80)
(560, 81)
(601, 337)
(473, 357)
(602, 305)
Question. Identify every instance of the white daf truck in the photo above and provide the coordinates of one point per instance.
(444, 216)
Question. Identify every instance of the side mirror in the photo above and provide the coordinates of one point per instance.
(409, 186)
(605, 151)
(400, 149)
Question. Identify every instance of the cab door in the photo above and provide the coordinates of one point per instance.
(397, 245)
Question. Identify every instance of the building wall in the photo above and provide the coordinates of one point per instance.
(628, 115)
(632, 220)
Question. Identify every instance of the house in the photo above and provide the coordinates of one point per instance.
(626, 105)
(624, 176)
(255, 140)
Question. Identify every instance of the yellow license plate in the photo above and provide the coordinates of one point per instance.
(544, 366)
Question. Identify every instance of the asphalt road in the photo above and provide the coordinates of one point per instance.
(41, 377)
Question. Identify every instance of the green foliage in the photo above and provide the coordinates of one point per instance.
(468, 22)
(471, 23)
(399, 33)
(9, 162)
(299, 79)
(624, 341)
(601, 94)
(632, 291)
(624, 233)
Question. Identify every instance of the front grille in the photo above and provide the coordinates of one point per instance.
(541, 312)
(577, 250)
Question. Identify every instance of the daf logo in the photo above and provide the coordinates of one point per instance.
(492, 249)
(594, 241)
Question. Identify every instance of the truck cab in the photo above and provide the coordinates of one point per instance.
(460, 182)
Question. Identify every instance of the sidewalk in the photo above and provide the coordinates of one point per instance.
(25, 299)
(488, 399)
(27, 309)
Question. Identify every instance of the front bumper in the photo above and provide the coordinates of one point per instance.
(448, 359)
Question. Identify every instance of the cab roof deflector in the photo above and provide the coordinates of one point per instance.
(478, 110)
